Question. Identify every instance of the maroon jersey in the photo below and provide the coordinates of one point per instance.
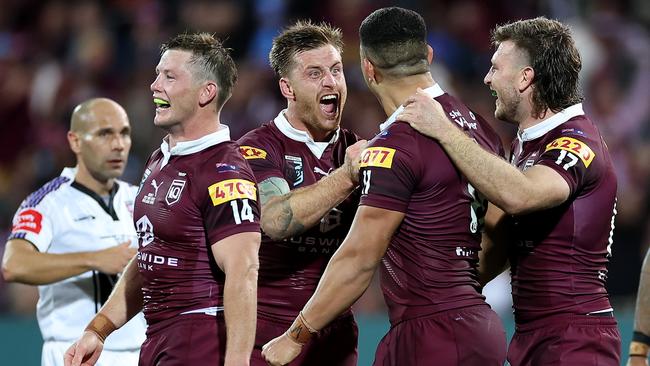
(190, 197)
(559, 262)
(431, 262)
(290, 269)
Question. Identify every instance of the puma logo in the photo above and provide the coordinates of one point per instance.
(156, 186)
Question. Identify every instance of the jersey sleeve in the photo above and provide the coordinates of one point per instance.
(573, 157)
(388, 173)
(262, 158)
(35, 225)
(229, 200)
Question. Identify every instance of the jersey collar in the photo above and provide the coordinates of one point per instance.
(317, 148)
(433, 91)
(194, 146)
(542, 128)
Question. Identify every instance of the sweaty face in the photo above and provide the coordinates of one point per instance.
(175, 93)
(105, 142)
(319, 89)
(502, 78)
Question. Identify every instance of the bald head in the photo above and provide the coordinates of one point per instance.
(87, 114)
(100, 137)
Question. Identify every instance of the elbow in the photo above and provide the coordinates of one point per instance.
(9, 273)
(270, 231)
(515, 205)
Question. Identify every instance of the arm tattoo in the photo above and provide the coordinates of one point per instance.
(272, 186)
(279, 214)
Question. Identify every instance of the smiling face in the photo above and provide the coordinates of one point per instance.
(175, 91)
(319, 90)
(503, 78)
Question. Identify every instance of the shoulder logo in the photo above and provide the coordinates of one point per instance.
(28, 220)
(381, 157)
(223, 167)
(174, 191)
(249, 152)
(231, 189)
(573, 146)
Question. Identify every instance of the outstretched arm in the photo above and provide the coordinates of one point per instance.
(346, 277)
(287, 213)
(516, 192)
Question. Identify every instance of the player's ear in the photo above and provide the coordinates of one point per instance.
(75, 142)
(369, 71)
(208, 93)
(286, 89)
(429, 54)
(526, 78)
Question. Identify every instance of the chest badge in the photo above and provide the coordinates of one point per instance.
(174, 192)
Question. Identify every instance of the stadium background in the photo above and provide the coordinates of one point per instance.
(55, 54)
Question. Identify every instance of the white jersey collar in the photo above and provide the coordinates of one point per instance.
(193, 146)
(317, 148)
(70, 173)
(434, 91)
(542, 128)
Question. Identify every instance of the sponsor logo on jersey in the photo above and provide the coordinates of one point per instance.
(573, 146)
(223, 167)
(144, 229)
(84, 218)
(150, 197)
(460, 120)
(231, 189)
(250, 152)
(381, 157)
(28, 220)
(293, 170)
(322, 172)
(174, 192)
(144, 178)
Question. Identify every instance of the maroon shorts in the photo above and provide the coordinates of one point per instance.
(336, 344)
(574, 340)
(190, 339)
(472, 336)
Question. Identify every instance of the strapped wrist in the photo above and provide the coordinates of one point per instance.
(300, 331)
(639, 349)
(102, 326)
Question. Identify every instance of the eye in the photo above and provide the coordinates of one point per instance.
(314, 74)
(336, 71)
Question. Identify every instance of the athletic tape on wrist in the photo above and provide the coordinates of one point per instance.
(300, 331)
(640, 337)
(101, 326)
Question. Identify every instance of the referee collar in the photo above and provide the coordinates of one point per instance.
(433, 91)
(317, 148)
(193, 146)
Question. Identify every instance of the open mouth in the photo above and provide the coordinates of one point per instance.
(161, 103)
(329, 104)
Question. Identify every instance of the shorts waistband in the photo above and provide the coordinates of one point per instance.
(605, 319)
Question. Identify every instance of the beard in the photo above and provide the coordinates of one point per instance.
(507, 106)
